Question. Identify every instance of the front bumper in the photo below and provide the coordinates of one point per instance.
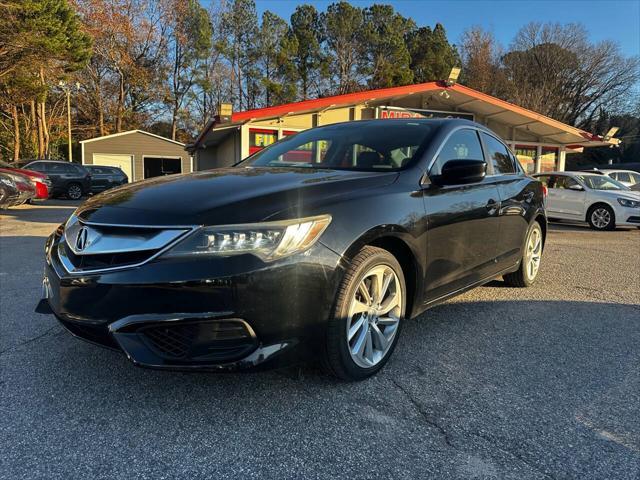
(209, 314)
(627, 217)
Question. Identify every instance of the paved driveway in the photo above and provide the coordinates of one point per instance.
(498, 383)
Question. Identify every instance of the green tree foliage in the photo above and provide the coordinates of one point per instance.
(41, 44)
(432, 56)
(343, 26)
(191, 42)
(240, 28)
(306, 33)
(387, 56)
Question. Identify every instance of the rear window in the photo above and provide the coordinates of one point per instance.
(499, 155)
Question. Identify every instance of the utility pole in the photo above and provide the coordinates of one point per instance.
(67, 91)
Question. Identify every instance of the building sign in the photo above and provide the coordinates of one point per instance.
(260, 138)
(399, 112)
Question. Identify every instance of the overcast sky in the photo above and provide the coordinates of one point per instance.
(617, 20)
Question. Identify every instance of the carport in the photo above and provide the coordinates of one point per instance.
(540, 143)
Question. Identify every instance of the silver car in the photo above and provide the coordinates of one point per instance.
(594, 198)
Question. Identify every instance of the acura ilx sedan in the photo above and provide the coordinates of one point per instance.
(317, 247)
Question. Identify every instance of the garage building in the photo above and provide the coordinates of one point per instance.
(540, 143)
(137, 153)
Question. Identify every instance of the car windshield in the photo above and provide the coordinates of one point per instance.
(380, 146)
(601, 182)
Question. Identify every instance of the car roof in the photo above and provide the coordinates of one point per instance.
(616, 170)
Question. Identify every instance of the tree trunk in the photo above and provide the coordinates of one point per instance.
(43, 120)
(36, 132)
(100, 112)
(16, 132)
(174, 123)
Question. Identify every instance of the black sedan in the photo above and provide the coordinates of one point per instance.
(319, 246)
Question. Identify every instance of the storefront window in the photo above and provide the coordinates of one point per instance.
(549, 159)
(527, 157)
(260, 138)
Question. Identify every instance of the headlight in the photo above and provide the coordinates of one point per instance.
(625, 202)
(268, 240)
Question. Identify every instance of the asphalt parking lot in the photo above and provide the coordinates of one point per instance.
(497, 383)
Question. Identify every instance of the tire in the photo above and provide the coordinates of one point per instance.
(378, 332)
(74, 191)
(526, 274)
(601, 217)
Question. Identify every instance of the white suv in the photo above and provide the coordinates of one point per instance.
(590, 197)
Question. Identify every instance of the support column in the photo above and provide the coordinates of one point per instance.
(538, 157)
(562, 157)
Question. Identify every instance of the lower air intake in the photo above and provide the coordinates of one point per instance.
(211, 341)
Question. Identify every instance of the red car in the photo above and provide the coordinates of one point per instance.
(39, 180)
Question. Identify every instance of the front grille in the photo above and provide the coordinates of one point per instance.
(93, 247)
(211, 340)
(106, 260)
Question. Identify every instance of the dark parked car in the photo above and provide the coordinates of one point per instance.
(15, 189)
(67, 179)
(318, 246)
(104, 178)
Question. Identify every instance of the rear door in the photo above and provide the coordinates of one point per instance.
(99, 178)
(462, 222)
(519, 197)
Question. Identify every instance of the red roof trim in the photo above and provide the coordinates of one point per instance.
(346, 99)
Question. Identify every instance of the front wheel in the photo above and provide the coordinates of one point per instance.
(365, 324)
(74, 191)
(527, 273)
(601, 217)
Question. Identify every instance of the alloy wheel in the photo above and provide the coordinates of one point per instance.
(601, 218)
(533, 253)
(374, 316)
(74, 192)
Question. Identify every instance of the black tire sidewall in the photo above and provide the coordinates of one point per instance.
(354, 371)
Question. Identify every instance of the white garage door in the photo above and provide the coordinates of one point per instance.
(123, 162)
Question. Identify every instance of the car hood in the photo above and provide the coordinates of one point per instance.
(613, 194)
(224, 196)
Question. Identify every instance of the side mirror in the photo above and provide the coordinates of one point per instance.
(576, 188)
(460, 172)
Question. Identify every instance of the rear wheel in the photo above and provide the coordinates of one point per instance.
(527, 273)
(601, 217)
(74, 191)
(364, 327)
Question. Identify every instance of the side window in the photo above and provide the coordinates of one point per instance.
(38, 167)
(56, 168)
(545, 180)
(635, 178)
(564, 183)
(462, 145)
(499, 154)
(622, 177)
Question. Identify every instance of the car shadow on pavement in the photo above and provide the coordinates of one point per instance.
(40, 212)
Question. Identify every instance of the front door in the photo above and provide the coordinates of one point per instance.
(566, 199)
(462, 221)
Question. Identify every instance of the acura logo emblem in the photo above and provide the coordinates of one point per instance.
(81, 239)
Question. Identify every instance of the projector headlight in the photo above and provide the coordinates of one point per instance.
(625, 202)
(268, 240)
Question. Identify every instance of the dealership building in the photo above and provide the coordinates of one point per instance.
(540, 143)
